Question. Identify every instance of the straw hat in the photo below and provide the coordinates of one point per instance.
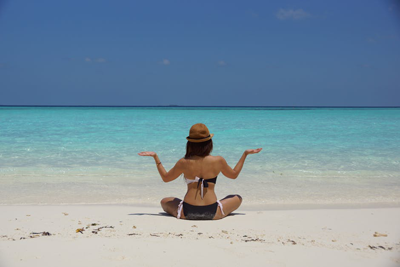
(199, 133)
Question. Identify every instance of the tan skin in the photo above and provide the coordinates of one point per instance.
(206, 167)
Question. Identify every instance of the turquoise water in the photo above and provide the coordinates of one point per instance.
(324, 156)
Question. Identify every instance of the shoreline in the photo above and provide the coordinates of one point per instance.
(146, 236)
(244, 207)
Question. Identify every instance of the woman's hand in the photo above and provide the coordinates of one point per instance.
(252, 151)
(147, 154)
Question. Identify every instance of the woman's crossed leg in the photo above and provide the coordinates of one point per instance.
(230, 203)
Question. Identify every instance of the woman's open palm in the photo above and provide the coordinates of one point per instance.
(253, 151)
(147, 153)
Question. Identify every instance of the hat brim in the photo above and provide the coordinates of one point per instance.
(200, 140)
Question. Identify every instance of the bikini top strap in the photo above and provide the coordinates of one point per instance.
(197, 179)
(201, 182)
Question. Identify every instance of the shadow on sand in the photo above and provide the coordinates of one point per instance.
(164, 214)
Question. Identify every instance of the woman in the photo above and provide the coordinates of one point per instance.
(200, 170)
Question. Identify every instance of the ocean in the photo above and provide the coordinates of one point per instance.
(312, 157)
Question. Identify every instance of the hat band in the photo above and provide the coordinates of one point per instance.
(198, 138)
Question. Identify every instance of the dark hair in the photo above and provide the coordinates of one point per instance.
(198, 149)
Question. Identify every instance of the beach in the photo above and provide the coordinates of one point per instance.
(115, 235)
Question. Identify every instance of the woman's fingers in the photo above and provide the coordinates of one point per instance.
(254, 151)
(146, 153)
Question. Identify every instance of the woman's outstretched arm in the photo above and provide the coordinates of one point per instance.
(234, 173)
(165, 176)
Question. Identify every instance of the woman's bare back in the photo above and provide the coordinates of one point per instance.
(203, 167)
(206, 168)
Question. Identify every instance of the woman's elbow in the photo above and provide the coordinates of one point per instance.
(234, 176)
(230, 175)
(167, 179)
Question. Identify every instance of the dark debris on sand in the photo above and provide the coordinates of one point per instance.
(380, 247)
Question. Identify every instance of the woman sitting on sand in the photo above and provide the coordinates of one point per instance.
(200, 170)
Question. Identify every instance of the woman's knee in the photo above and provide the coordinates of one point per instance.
(168, 202)
(164, 201)
(236, 196)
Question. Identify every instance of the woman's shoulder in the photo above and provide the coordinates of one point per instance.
(181, 162)
(208, 158)
(214, 158)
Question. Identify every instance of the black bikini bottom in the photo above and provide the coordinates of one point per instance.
(199, 212)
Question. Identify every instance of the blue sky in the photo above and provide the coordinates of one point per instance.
(261, 53)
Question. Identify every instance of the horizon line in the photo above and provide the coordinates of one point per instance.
(195, 106)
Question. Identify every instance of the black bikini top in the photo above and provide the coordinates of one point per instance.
(201, 182)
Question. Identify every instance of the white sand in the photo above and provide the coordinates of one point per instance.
(328, 237)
